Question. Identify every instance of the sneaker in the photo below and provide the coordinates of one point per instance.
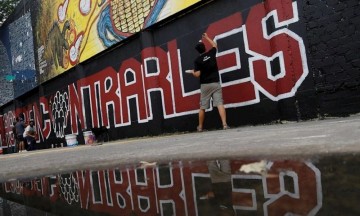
(199, 129)
(225, 127)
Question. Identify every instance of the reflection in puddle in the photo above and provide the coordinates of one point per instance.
(215, 187)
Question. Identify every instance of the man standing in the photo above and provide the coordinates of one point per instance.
(20, 128)
(205, 67)
(16, 142)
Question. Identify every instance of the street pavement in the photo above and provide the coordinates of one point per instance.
(291, 140)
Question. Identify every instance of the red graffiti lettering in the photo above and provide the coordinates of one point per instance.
(109, 96)
(159, 80)
(76, 110)
(132, 86)
(282, 44)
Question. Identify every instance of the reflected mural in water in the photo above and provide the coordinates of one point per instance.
(215, 187)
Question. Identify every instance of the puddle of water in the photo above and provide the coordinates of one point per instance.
(214, 187)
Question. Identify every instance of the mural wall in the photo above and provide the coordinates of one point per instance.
(69, 32)
(141, 88)
(267, 69)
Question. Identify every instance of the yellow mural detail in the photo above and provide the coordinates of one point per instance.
(180, 5)
(72, 31)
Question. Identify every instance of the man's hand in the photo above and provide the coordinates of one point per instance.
(193, 72)
(206, 37)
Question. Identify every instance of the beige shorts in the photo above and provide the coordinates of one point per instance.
(208, 91)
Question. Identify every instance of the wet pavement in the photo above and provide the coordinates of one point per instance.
(298, 168)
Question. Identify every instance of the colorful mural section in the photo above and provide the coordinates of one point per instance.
(141, 88)
(17, 59)
(69, 32)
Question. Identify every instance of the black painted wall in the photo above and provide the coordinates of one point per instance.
(333, 35)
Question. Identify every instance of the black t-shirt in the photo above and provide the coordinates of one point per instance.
(206, 64)
(20, 127)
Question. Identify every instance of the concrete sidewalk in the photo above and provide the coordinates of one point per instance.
(304, 140)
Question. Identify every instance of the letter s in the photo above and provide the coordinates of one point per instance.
(283, 44)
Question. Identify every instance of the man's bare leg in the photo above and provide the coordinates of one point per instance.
(21, 146)
(222, 113)
(201, 119)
